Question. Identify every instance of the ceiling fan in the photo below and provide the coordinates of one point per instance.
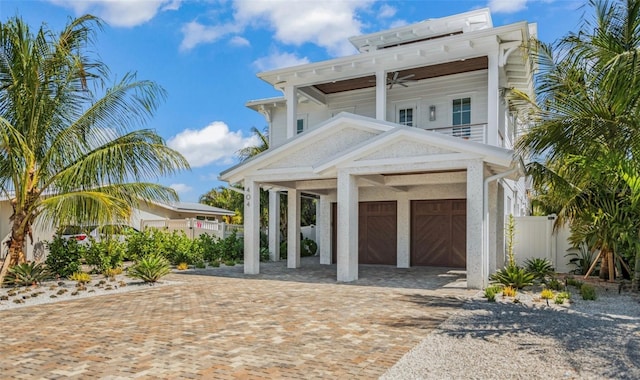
(400, 80)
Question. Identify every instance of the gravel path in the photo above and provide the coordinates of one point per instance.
(588, 340)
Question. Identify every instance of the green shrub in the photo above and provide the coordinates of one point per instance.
(561, 297)
(308, 247)
(150, 268)
(554, 284)
(26, 274)
(570, 281)
(283, 250)
(230, 263)
(200, 264)
(588, 292)
(491, 291)
(513, 276)
(105, 254)
(64, 256)
(231, 248)
(151, 241)
(540, 268)
(80, 277)
(207, 245)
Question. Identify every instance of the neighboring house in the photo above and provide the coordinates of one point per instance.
(407, 145)
(146, 211)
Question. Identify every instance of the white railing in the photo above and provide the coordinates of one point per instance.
(193, 227)
(472, 132)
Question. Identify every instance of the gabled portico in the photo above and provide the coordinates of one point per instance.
(357, 163)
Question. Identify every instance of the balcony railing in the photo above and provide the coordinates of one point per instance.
(472, 132)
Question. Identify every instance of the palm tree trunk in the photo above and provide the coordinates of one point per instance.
(16, 247)
(604, 264)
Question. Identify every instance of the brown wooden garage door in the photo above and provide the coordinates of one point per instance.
(439, 233)
(377, 232)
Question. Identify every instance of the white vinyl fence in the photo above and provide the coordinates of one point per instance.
(193, 227)
(535, 238)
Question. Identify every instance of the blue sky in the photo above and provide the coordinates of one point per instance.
(206, 55)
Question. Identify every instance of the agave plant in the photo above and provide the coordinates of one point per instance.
(150, 268)
(514, 276)
(26, 274)
(540, 268)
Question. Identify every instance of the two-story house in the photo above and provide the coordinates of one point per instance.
(407, 145)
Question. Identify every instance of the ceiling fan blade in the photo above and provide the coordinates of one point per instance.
(406, 77)
(395, 76)
(402, 84)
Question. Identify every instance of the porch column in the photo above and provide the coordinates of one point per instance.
(323, 229)
(493, 99)
(476, 272)
(274, 225)
(251, 227)
(496, 247)
(404, 231)
(347, 227)
(381, 95)
(291, 96)
(293, 228)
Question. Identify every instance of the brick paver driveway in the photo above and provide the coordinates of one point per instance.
(221, 324)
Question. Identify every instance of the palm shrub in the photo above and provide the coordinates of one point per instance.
(308, 247)
(26, 274)
(540, 268)
(64, 256)
(150, 268)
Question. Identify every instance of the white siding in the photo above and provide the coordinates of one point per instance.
(438, 92)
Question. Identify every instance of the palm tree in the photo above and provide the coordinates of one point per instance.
(251, 151)
(225, 198)
(587, 115)
(69, 153)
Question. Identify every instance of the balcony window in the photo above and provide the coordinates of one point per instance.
(405, 116)
(461, 116)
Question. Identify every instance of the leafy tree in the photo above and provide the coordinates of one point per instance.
(69, 150)
(585, 134)
(227, 199)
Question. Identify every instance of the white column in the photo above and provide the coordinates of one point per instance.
(493, 99)
(381, 95)
(274, 225)
(494, 225)
(404, 231)
(291, 96)
(476, 262)
(251, 227)
(323, 229)
(347, 227)
(293, 228)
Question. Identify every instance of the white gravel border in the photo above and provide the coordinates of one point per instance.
(502, 340)
(46, 290)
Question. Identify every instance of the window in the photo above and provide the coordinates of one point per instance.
(300, 126)
(461, 116)
(405, 116)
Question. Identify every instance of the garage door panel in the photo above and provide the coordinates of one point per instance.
(377, 233)
(438, 233)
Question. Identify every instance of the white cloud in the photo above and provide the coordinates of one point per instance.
(181, 188)
(507, 6)
(278, 60)
(386, 11)
(239, 41)
(213, 143)
(327, 23)
(196, 33)
(123, 13)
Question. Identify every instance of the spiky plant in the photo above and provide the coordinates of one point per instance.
(150, 268)
(27, 274)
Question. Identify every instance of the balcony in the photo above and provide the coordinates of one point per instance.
(472, 132)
